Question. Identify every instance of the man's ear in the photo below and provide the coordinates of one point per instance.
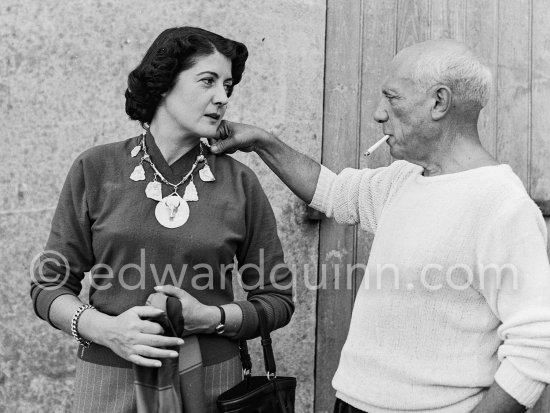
(443, 99)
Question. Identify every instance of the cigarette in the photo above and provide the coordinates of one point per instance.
(376, 145)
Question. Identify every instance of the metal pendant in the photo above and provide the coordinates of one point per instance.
(135, 151)
(206, 174)
(172, 211)
(154, 191)
(138, 174)
(191, 192)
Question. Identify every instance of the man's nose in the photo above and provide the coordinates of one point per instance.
(380, 114)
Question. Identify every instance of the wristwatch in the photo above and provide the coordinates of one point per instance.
(220, 328)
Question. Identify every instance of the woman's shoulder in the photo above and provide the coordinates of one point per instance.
(236, 169)
(107, 151)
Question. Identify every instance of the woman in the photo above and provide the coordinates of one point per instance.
(156, 210)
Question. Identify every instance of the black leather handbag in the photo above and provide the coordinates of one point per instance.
(259, 394)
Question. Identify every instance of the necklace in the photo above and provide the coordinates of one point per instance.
(171, 211)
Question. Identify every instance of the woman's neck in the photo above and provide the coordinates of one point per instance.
(172, 142)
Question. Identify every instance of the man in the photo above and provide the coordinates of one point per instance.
(463, 322)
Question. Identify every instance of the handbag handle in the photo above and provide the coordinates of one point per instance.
(269, 358)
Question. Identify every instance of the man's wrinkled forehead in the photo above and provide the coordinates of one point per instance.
(398, 74)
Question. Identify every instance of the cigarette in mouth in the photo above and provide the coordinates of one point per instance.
(376, 145)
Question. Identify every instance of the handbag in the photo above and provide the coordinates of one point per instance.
(259, 394)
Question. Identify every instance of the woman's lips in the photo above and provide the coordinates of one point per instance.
(214, 116)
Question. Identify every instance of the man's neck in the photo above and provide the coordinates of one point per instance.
(457, 152)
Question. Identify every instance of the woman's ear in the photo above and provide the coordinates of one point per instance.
(443, 98)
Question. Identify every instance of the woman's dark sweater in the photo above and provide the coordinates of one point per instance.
(106, 225)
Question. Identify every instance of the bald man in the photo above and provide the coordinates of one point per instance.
(458, 319)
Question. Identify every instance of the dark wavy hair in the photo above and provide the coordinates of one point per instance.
(172, 52)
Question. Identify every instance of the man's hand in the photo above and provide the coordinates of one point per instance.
(299, 172)
(232, 137)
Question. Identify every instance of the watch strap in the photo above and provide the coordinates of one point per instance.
(220, 328)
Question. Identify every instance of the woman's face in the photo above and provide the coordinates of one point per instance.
(197, 102)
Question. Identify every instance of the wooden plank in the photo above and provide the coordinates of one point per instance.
(337, 243)
(413, 22)
(540, 138)
(539, 179)
(513, 86)
(379, 45)
(448, 19)
(481, 21)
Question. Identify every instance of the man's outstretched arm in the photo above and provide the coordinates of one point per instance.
(299, 172)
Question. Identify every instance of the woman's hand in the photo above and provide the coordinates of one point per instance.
(234, 136)
(136, 339)
(198, 317)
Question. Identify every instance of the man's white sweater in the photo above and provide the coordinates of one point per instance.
(433, 325)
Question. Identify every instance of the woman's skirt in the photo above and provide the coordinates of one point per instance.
(101, 389)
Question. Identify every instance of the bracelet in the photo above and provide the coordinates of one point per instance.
(74, 323)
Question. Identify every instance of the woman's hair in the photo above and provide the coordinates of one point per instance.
(457, 67)
(172, 52)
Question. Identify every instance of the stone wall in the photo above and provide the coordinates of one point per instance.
(63, 69)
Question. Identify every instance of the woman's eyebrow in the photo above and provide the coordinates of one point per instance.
(207, 72)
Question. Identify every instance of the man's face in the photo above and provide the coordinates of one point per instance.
(405, 115)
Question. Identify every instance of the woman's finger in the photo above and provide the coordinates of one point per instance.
(153, 352)
(150, 327)
(145, 311)
(145, 362)
(154, 340)
(171, 290)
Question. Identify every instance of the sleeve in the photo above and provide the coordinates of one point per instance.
(59, 269)
(265, 276)
(358, 196)
(516, 285)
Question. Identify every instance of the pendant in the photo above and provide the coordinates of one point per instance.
(172, 211)
(135, 151)
(206, 174)
(154, 191)
(138, 174)
(191, 192)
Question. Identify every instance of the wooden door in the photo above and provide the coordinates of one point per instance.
(362, 36)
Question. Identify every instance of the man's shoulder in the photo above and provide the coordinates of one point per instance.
(501, 180)
(504, 191)
(406, 167)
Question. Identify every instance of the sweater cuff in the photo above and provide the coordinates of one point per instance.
(322, 191)
(250, 322)
(43, 301)
(522, 388)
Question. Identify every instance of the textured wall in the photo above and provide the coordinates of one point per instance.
(63, 68)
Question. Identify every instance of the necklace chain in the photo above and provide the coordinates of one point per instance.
(147, 158)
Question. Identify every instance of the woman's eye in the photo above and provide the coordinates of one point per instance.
(209, 81)
(227, 88)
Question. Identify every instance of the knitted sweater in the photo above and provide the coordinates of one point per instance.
(432, 326)
(105, 224)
